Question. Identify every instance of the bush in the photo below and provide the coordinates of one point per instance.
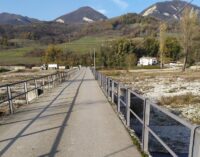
(3, 70)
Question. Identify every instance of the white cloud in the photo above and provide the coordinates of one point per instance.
(103, 11)
(121, 3)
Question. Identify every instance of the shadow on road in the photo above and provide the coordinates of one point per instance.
(20, 134)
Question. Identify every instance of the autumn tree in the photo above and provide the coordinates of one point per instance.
(130, 60)
(163, 28)
(196, 46)
(53, 54)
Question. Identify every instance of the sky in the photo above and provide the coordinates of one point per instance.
(51, 9)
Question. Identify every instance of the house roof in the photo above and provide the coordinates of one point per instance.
(148, 58)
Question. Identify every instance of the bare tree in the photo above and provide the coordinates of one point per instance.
(188, 24)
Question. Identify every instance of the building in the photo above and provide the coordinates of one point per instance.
(145, 61)
(52, 66)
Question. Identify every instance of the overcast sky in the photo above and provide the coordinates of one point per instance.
(51, 9)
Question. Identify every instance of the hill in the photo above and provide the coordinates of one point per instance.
(167, 10)
(83, 14)
(13, 19)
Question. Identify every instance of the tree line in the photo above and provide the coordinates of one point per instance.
(124, 53)
(54, 54)
(185, 46)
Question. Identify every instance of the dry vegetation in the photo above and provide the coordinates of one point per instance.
(178, 91)
(20, 75)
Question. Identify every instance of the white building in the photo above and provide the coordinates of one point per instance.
(52, 66)
(145, 61)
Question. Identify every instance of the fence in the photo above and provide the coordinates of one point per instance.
(160, 132)
(22, 92)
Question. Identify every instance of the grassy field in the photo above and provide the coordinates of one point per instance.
(86, 44)
(18, 56)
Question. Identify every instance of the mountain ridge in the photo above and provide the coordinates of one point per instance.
(167, 10)
(15, 19)
(83, 14)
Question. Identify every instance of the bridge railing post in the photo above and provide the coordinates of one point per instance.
(48, 82)
(43, 84)
(106, 83)
(194, 150)
(128, 104)
(60, 77)
(118, 97)
(103, 82)
(112, 90)
(52, 81)
(100, 79)
(36, 88)
(109, 87)
(145, 126)
(26, 92)
(10, 100)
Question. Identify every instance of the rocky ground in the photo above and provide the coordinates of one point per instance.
(14, 76)
(178, 91)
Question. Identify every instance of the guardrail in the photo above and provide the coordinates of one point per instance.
(25, 91)
(160, 132)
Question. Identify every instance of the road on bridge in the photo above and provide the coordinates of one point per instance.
(72, 120)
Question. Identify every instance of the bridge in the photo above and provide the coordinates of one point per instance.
(74, 119)
(87, 114)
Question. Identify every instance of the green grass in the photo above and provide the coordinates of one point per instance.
(147, 67)
(24, 42)
(86, 44)
(18, 56)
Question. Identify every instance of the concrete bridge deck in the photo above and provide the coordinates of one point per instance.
(73, 120)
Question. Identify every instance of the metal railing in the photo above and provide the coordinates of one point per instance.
(25, 91)
(160, 132)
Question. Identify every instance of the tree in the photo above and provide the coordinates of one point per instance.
(131, 60)
(53, 54)
(4, 42)
(172, 49)
(163, 28)
(188, 23)
(151, 47)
